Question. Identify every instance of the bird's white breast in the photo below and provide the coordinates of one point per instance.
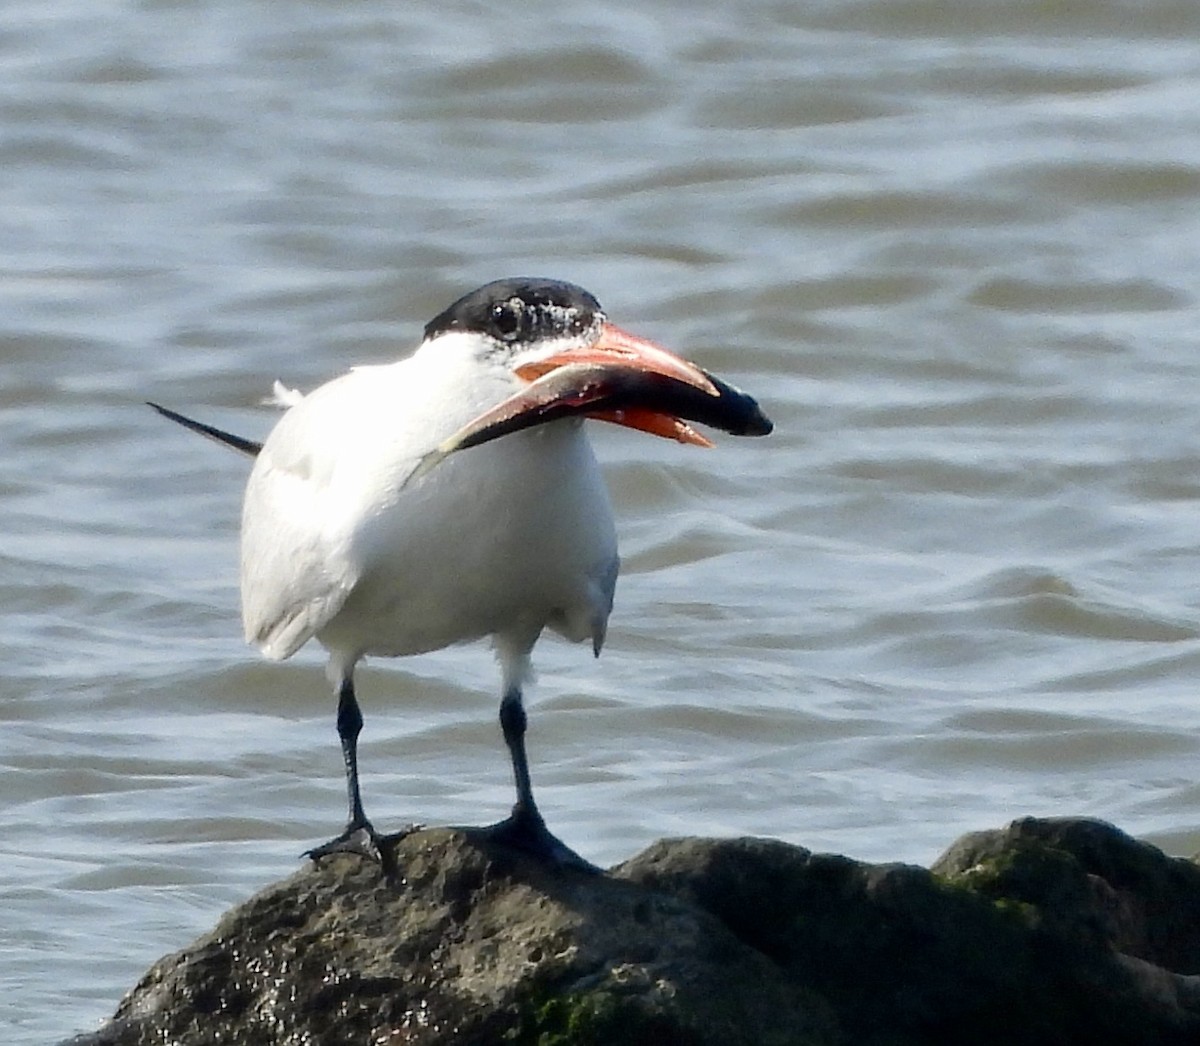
(502, 539)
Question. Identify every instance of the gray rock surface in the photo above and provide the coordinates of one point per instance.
(1063, 931)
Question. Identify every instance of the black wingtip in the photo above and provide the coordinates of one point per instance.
(228, 439)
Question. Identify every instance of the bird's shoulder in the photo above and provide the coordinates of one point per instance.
(341, 422)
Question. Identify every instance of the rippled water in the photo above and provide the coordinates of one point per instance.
(955, 250)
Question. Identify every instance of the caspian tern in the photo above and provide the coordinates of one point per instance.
(369, 526)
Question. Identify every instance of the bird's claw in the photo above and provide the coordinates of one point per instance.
(362, 839)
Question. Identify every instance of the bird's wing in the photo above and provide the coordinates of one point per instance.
(297, 566)
(604, 586)
(228, 439)
(293, 581)
(329, 467)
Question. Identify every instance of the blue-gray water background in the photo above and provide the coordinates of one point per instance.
(954, 248)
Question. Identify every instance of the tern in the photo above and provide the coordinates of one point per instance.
(453, 496)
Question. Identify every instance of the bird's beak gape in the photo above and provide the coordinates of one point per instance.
(622, 355)
(619, 378)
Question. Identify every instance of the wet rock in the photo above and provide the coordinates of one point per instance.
(1044, 932)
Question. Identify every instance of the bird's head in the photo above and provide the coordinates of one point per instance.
(556, 337)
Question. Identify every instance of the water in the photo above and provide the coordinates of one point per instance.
(953, 250)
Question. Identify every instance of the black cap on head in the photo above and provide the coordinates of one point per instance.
(520, 309)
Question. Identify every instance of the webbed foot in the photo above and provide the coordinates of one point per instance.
(525, 830)
(361, 838)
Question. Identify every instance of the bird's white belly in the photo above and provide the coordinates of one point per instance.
(504, 539)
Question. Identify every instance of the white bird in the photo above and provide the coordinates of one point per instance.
(356, 533)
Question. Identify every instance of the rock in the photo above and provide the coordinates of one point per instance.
(1044, 932)
(1092, 881)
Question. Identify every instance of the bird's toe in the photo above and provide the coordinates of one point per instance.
(362, 839)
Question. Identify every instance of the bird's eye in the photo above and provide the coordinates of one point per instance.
(506, 319)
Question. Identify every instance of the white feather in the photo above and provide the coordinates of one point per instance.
(502, 540)
(282, 396)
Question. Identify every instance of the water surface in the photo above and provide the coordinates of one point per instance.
(954, 251)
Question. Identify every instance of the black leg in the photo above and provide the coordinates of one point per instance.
(513, 722)
(359, 835)
(524, 828)
(349, 726)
